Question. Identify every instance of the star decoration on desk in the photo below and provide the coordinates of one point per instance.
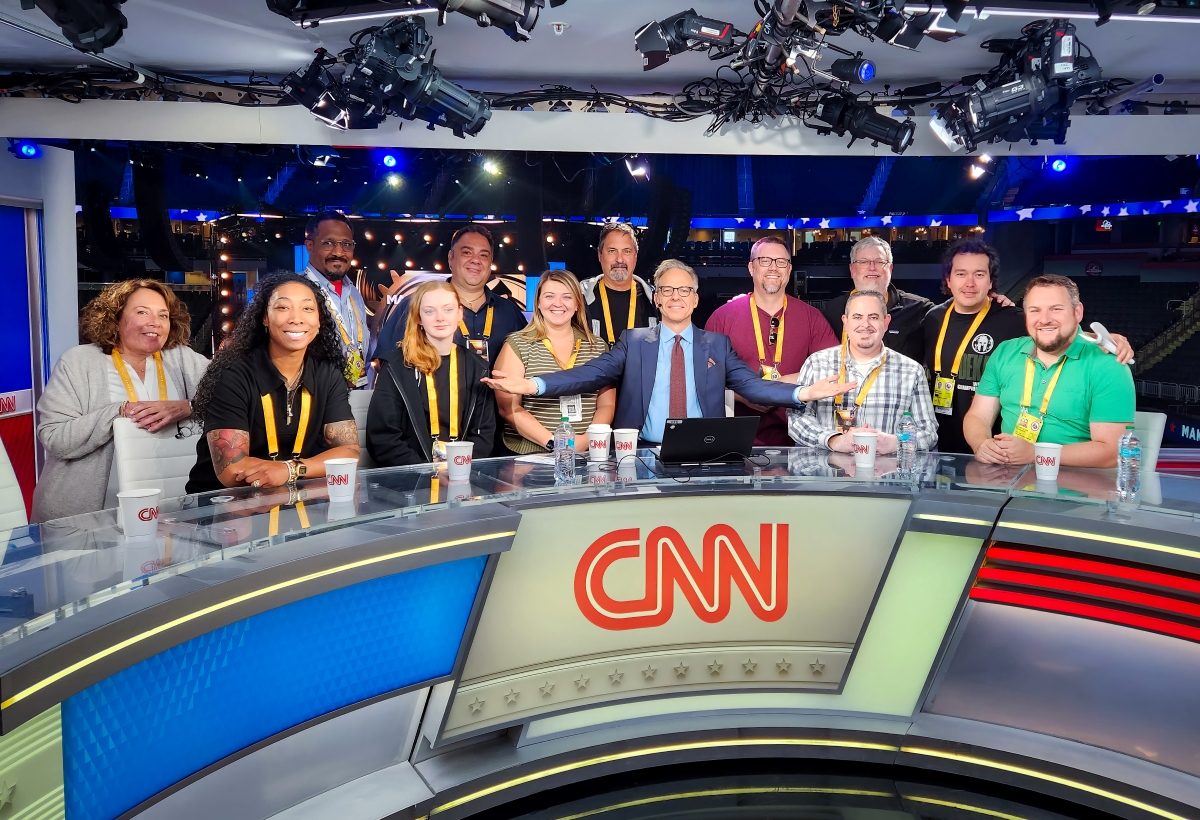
(649, 672)
(714, 668)
(817, 666)
(749, 666)
(546, 688)
(581, 682)
(783, 665)
(476, 705)
(616, 676)
(681, 670)
(511, 696)
(6, 792)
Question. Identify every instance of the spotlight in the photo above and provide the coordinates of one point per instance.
(279, 236)
(520, 267)
(507, 240)
(90, 25)
(389, 160)
(427, 238)
(1058, 166)
(24, 149)
(550, 238)
(354, 263)
(491, 167)
(977, 171)
(494, 269)
(657, 41)
(399, 238)
(844, 113)
(383, 265)
(437, 265)
(224, 258)
(393, 180)
(367, 235)
(408, 263)
(638, 167)
(853, 70)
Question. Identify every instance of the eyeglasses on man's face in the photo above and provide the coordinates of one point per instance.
(771, 262)
(872, 264)
(667, 291)
(330, 244)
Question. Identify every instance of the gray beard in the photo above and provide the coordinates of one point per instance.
(768, 289)
(619, 274)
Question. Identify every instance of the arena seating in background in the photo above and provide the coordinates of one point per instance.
(1180, 367)
(1136, 309)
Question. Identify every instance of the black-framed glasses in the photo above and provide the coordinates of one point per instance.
(330, 244)
(768, 262)
(774, 330)
(684, 291)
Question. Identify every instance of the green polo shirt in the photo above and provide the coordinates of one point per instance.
(1093, 387)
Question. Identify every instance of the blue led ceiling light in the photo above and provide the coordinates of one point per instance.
(1058, 166)
(24, 149)
(389, 160)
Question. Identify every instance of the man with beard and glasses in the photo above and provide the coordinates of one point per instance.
(616, 299)
(1056, 387)
(329, 240)
(772, 332)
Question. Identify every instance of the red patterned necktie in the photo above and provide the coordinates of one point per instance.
(678, 408)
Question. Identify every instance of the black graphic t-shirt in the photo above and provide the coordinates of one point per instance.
(1000, 325)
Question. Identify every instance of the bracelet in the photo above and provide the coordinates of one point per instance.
(291, 465)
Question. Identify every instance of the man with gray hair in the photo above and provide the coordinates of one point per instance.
(871, 269)
(888, 384)
(672, 371)
(616, 300)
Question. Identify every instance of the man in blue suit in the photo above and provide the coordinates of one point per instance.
(674, 370)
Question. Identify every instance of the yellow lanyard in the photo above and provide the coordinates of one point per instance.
(434, 490)
(866, 386)
(762, 353)
(1027, 395)
(608, 324)
(119, 363)
(337, 319)
(273, 519)
(574, 355)
(269, 416)
(487, 325)
(435, 423)
(962, 348)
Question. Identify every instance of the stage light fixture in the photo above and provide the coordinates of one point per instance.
(428, 238)
(638, 167)
(658, 41)
(24, 149)
(90, 25)
(399, 238)
(389, 160)
(437, 265)
(491, 167)
(977, 171)
(853, 69)
(1058, 166)
(367, 235)
(843, 112)
(507, 240)
(408, 263)
(393, 180)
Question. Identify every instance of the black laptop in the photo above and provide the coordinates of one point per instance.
(725, 440)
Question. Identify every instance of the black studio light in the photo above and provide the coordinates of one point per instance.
(843, 113)
(90, 25)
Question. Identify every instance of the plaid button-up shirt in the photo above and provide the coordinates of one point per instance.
(900, 387)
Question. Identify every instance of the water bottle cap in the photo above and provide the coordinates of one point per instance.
(1129, 427)
(564, 418)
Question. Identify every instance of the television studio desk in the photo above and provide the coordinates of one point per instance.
(431, 651)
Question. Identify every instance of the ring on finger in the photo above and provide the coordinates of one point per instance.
(256, 483)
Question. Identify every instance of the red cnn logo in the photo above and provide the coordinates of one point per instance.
(338, 480)
(625, 445)
(1046, 461)
(861, 449)
(461, 460)
(8, 404)
(669, 563)
(148, 513)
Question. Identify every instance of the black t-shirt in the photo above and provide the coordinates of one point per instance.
(236, 404)
(904, 334)
(1000, 325)
(618, 309)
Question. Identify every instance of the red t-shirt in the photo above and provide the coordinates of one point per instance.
(805, 332)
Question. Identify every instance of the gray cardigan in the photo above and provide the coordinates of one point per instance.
(75, 417)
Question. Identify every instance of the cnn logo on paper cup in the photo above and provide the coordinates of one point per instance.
(462, 460)
(599, 444)
(1047, 461)
(625, 445)
(339, 480)
(148, 513)
(861, 449)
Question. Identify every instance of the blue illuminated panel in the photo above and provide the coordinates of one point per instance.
(146, 728)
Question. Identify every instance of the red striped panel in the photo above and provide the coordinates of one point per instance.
(1087, 589)
(16, 435)
(1092, 611)
(1090, 567)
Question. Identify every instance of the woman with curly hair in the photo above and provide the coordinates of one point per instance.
(135, 363)
(274, 402)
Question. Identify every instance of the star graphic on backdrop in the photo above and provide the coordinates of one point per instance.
(1083, 209)
(1024, 213)
(817, 666)
(935, 223)
(714, 668)
(1123, 212)
(546, 688)
(1106, 211)
(511, 696)
(616, 676)
(6, 792)
(805, 219)
(739, 220)
(681, 670)
(770, 226)
(758, 223)
(783, 665)
(649, 672)
(476, 705)
(1191, 206)
(824, 223)
(749, 666)
(581, 682)
(1145, 211)
(887, 220)
(1166, 202)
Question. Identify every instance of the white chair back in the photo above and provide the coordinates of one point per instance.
(153, 461)
(1149, 428)
(12, 502)
(360, 401)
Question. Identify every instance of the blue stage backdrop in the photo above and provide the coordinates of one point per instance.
(146, 728)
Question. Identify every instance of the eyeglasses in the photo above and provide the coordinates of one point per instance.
(768, 262)
(774, 330)
(871, 263)
(330, 244)
(668, 291)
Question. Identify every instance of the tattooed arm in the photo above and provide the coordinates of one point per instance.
(230, 451)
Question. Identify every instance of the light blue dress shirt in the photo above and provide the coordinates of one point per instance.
(660, 397)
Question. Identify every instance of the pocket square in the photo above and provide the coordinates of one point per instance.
(711, 363)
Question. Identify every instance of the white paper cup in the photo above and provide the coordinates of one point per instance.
(459, 455)
(624, 442)
(1046, 460)
(598, 442)
(339, 478)
(865, 442)
(139, 512)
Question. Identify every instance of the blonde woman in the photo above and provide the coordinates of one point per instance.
(558, 338)
(428, 390)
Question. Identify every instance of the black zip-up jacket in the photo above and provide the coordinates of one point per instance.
(398, 420)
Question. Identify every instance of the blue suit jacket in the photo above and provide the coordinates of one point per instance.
(631, 365)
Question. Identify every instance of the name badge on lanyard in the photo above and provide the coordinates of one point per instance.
(480, 346)
(943, 386)
(943, 395)
(1029, 426)
(571, 407)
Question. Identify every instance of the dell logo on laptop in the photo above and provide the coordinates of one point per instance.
(709, 439)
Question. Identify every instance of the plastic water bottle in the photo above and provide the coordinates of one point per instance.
(906, 444)
(1129, 464)
(564, 453)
